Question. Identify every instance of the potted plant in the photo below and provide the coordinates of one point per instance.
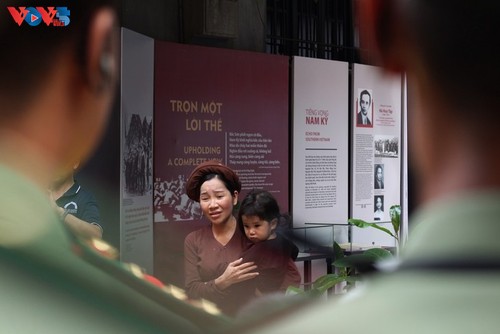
(350, 268)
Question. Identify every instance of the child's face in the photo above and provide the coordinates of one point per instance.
(258, 229)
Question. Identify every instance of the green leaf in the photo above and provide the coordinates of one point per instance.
(328, 281)
(378, 254)
(364, 224)
(325, 279)
(395, 213)
(359, 222)
(338, 251)
(363, 261)
(353, 278)
(292, 290)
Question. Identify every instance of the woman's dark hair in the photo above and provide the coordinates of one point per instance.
(207, 171)
(229, 185)
(259, 203)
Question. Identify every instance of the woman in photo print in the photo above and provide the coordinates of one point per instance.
(379, 208)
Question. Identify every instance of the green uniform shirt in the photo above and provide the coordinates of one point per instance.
(449, 280)
(50, 282)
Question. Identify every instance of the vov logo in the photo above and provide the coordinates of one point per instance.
(51, 16)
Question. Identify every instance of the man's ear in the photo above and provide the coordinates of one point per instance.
(102, 51)
(381, 33)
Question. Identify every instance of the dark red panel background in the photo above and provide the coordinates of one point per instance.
(253, 91)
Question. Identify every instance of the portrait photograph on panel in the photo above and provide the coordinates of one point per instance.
(378, 213)
(364, 109)
(379, 176)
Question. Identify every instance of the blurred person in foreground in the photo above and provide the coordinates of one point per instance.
(58, 73)
(448, 278)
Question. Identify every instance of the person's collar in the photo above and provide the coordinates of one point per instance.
(73, 190)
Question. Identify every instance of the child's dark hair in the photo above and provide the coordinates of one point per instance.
(259, 203)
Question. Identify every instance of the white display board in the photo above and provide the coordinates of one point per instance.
(136, 184)
(376, 145)
(320, 141)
